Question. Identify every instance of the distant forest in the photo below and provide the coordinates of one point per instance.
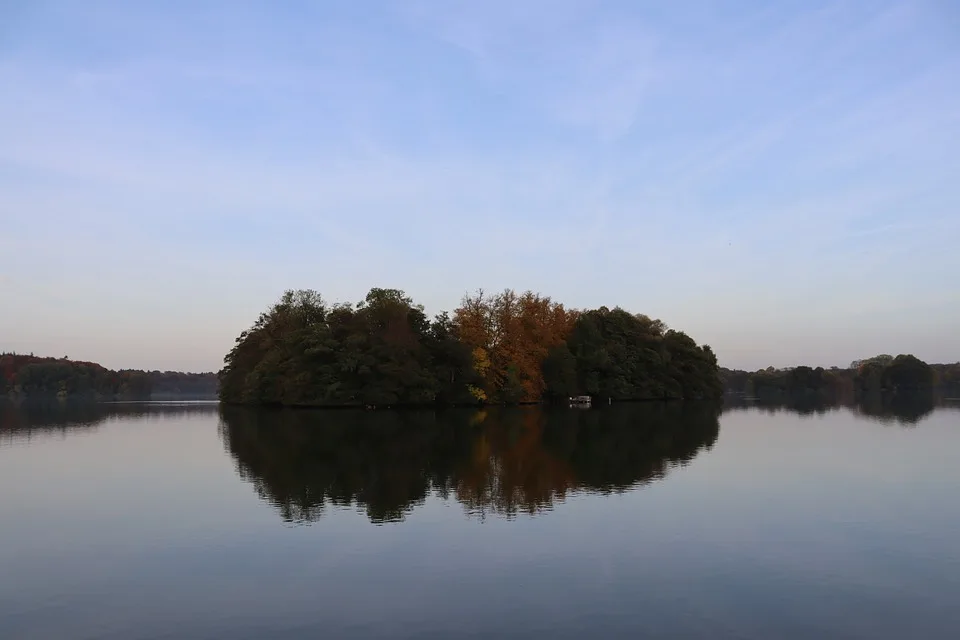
(32, 376)
(883, 374)
(508, 348)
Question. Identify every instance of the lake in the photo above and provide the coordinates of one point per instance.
(188, 520)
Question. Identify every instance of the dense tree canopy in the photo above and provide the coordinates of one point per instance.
(507, 348)
(622, 356)
(304, 351)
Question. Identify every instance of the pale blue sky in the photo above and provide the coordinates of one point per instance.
(779, 179)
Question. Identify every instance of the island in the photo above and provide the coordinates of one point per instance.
(507, 348)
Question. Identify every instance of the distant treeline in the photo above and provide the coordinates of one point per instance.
(29, 375)
(178, 383)
(508, 348)
(883, 374)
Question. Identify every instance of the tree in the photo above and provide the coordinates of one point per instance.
(560, 372)
(907, 373)
(623, 356)
(510, 336)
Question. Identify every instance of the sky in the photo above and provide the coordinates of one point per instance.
(779, 180)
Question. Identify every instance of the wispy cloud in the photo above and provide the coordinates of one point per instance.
(573, 68)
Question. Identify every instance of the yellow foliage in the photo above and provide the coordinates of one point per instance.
(481, 362)
(477, 392)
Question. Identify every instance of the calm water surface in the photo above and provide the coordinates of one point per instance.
(192, 521)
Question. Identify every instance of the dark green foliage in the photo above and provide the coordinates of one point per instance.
(511, 387)
(560, 373)
(385, 352)
(869, 376)
(382, 352)
(623, 356)
(452, 363)
(907, 373)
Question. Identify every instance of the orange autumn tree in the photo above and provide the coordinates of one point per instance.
(510, 335)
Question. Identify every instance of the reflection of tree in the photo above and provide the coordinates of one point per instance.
(302, 460)
(510, 469)
(504, 461)
(904, 408)
(901, 408)
(802, 404)
(34, 416)
(615, 449)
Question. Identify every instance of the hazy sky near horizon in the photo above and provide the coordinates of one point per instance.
(780, 180)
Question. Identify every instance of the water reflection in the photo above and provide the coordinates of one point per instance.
(905, 410)
(501, 461)
(26, 419)
(804, 405)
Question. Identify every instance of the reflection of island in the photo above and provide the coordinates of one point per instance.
(502, 461)
(25, 418)
(905, 409)
(804, 405)
(902, 409)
